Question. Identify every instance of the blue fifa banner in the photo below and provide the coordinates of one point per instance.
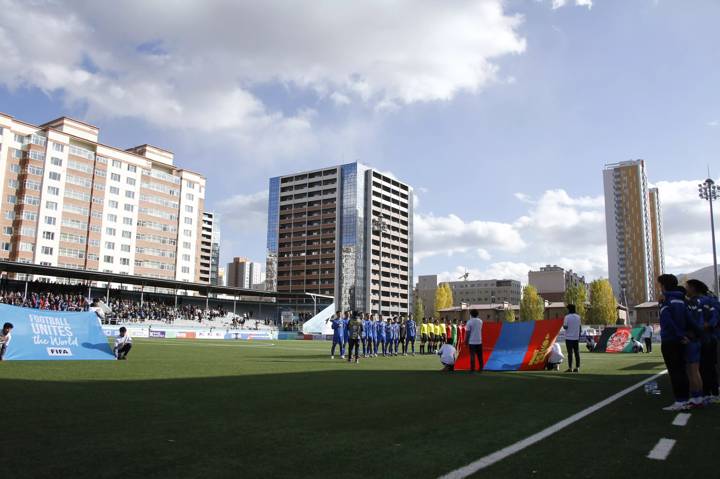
(40, 334)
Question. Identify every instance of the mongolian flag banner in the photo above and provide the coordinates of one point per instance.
(518, 346)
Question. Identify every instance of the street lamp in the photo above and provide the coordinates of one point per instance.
(379, 226)
(708, 192)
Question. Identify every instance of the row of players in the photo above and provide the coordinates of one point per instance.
(390, 337)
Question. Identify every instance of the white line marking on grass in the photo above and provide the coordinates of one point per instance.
(681, 419)
(662, 449)
(498, 456)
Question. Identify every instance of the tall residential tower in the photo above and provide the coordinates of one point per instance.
(68, 200)
(634, 232)
(344, 231)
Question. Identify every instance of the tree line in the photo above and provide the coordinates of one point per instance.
(600, 308)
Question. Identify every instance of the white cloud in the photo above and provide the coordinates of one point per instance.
(580, 3)
(244, 212)
(567, 231)
(197, 64)
(450, 235)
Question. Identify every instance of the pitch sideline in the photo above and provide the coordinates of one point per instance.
(505, 452)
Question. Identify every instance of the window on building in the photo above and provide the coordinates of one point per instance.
(189, 209)
(50, 220)
(54, 175)
(125, 261)
(110, 231)
(186, 257)
(127, 221)
(56, 161)
(125, 248)
(187, 245)
(127, 234)
(46, 250)
(58, 147)
(112, 218)
(48, 235)
(132, 168)
(109, 245)
(117, 163)
(114, 190)
(113, 204)
(185, 269)
(130, 181)
(188, 220)
(7, 230)
(129, 208)
(108, 259)
(129, 194)
(189, 196)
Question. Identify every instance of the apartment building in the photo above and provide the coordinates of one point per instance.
(209, 249)
(344, 231)
(68, 200)
(634, 232)
(551, 282)
(483, 291)
(243, 273)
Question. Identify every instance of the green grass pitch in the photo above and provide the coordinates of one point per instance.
(215, 409)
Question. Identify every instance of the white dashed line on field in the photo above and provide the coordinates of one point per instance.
(681, 419)
(498, 456)
(662, 449)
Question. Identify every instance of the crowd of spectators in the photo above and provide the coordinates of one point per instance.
(48, 301)
(129, 311)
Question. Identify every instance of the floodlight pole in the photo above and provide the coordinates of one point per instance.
(708, 192)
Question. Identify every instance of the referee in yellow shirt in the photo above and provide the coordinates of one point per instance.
(424, 336)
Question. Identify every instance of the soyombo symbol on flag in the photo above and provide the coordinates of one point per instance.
(514, 346)
(54, 335)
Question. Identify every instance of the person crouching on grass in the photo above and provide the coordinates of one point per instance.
(5, 338)
(123, 344)
(448, 355)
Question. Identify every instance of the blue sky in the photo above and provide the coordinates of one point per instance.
(501, 114)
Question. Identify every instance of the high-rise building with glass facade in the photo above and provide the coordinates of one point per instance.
(634, 232)
(344, 231)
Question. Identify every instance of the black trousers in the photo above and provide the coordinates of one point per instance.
(648, 345)
(708, 361)
(476, 351)
(124, 350)
(573, 348)
(354, 343)
(674, 355)
(3, 348)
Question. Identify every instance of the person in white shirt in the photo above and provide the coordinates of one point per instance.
(123, 344)
(98, 310)
(473, 337)
(448, 354)
(5, 338)
(555, 357)
(572, 338)
(647, 337)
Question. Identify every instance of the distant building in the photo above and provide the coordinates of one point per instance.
(634, 232)
(344, 231)
(222, 277)
(209, 248)
(552, 282)
(243, 273)
(485, 291)
(68, 200)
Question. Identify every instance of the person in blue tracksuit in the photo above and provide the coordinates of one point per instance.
(367, 336)
(381, 334)
(396, 335)
(346, 320)
(411, 334)
(388, 337)
(338, 327)
(701, 305)
(673, 325)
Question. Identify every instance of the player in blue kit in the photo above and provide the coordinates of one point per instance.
(389, 336)
(396, 335)
(411, 333)
(338, 327)
(380, 331)
(368, 331)
(346, 319)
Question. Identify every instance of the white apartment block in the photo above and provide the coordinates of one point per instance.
(69, 201)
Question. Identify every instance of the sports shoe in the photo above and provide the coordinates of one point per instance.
(332, 357)
(677, 406)
(576, 370)
(568, 370)
(357, 361)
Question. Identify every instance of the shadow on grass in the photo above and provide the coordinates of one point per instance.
(309, 424)
(643, 366)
